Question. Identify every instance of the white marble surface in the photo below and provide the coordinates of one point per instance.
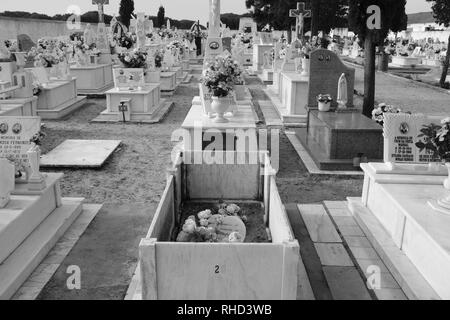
(379, 173)
(80, 153)
(243, 119)
(421, 232)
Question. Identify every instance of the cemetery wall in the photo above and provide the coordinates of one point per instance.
(35, 28)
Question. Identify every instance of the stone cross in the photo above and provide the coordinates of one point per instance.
(214, 18)
(100, 4)
(300, 14)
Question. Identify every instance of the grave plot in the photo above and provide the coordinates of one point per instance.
(219, 270)
(33, 215)
(407, 197)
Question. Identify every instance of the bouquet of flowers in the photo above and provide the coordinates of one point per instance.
(45, 57)
(134, 59)
(125, 41)
(221, 75)
(324, 98)
(378, 112)
(174, 45)
(306, 50)
(436, 140)
(11, 46)
(283, 53)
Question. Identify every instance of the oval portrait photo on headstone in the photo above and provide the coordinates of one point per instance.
(17, 128)
(3, 128)
(214, 45)
(404, 128)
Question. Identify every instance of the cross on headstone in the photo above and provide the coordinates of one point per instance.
(100, 4)
(300, 14)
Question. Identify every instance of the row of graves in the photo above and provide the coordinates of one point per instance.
(403, 53)
(52, 78)
(312, 92)
(33, 214)
(220, 230)
(405, 205)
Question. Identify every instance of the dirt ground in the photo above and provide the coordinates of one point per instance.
(130, 186)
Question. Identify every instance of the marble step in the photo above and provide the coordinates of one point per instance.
(22, 262)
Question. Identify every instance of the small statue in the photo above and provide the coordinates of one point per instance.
(342, 97)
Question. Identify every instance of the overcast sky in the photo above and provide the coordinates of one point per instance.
(178, 9)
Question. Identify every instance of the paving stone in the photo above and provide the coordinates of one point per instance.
(365, 264)
(340, 212)
(344, 221)
(354, 241)
(346, 283)
(333, 255)
(390, 294)
(351, 231)
(364, 253)
(319, 224)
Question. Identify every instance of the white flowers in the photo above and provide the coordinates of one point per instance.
(378, 112)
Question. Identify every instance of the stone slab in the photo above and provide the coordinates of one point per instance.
(309, 163)
(62, 110)
(80, 154)
(405, 273)
(333, 254)
(319, 224)
(346, 283)
(21, 263)
(33, 286)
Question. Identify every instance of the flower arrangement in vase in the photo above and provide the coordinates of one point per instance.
(379, 112)
(324, 101)
(125, 41)
(220, 77)
(305, 54)
(134, 59)
(159, 57)
(436, 140)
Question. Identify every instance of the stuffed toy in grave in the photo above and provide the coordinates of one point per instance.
(225, 226)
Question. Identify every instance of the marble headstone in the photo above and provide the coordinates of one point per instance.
(15, 135)
(401, 133)
(126, 78)
(325, 71)
(24, 43)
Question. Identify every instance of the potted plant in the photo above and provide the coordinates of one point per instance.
(324, 101)
(220, 76)
(436, 140)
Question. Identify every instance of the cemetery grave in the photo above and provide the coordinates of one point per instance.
(224, 165)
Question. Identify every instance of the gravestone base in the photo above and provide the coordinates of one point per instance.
(93, 79)
(32, 224)
(24, 107)
(168, 83)
(58, 99)
(412, 225)
(146, 105)
(266, 76)
(406, 61)
(334, 140)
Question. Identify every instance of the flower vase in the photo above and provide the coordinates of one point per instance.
(305, 67)
(35, 178)
(220, 106)
(324, 106)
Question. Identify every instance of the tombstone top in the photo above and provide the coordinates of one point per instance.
(325, 71)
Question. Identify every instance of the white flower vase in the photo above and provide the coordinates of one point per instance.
(324, 106)
(35, 178)
(305, 67)
(220, 106)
